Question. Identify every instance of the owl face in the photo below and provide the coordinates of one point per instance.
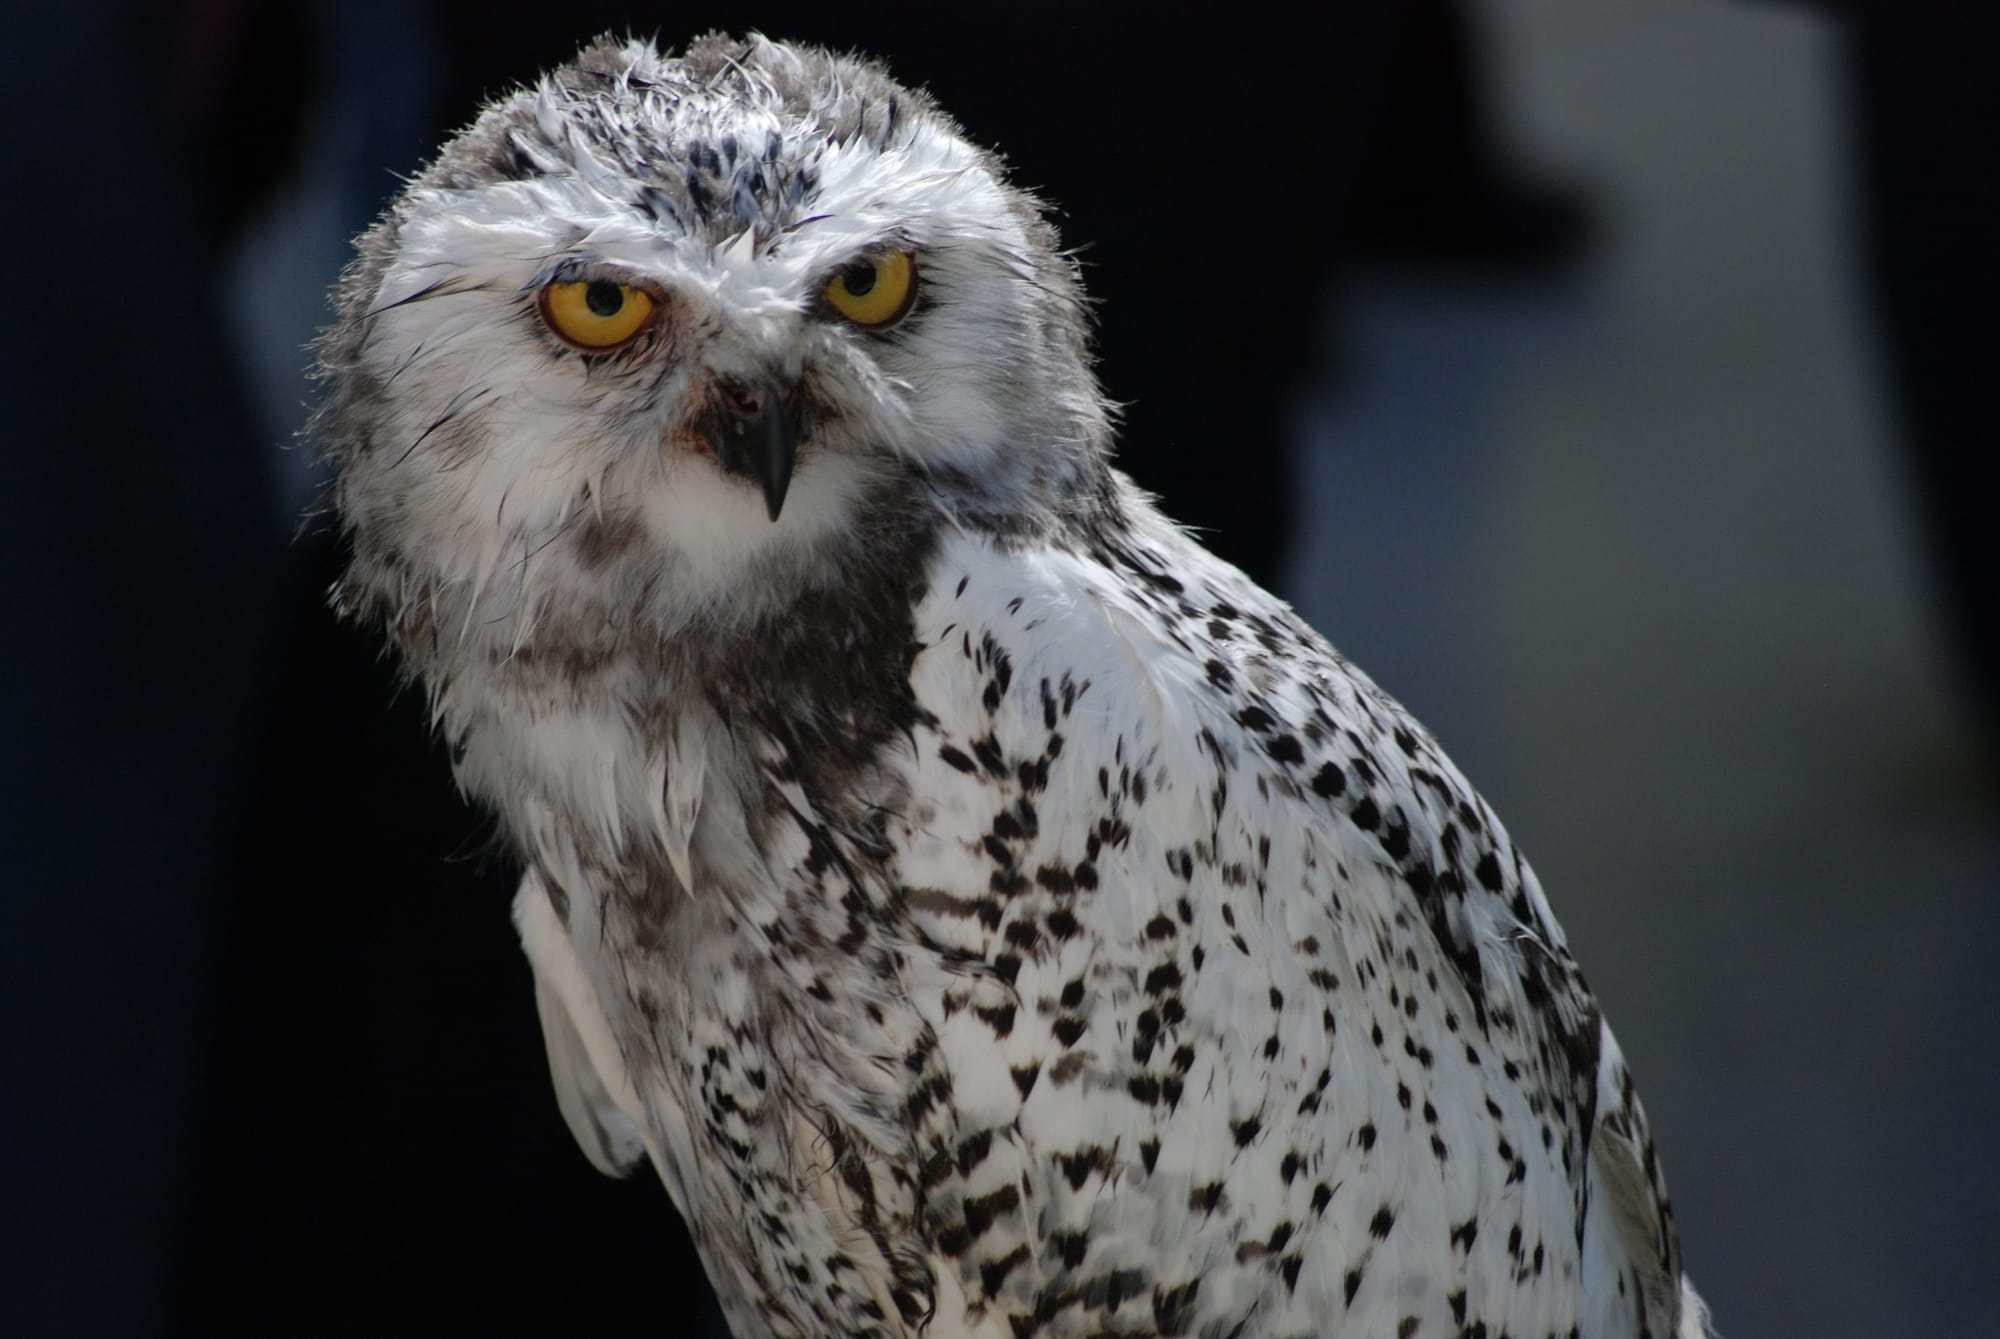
(670, 324)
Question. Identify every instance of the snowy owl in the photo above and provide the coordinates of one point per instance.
(989, 913)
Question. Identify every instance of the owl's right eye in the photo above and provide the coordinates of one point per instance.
(596, 315)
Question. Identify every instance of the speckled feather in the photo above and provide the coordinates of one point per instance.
(989, 912)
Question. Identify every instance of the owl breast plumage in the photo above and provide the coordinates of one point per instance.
(989, 913)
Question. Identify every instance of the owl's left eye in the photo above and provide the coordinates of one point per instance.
(875, 290)
(596, 315)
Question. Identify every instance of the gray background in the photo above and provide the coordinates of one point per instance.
(1641, 550)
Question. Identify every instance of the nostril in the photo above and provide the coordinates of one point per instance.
(743, 401)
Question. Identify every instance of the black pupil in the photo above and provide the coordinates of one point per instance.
(603, 299)
(859, 279)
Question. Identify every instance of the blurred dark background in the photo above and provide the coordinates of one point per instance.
(1600, 380)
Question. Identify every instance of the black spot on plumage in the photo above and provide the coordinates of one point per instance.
(1000, 1019)
(1255, 718)
(1450, 842)
(982, 1211)
(1023, 935)
(972, 1151)
(1423, 882)
(987, 749)
(1396, 837)
(1112, 1290)
(1329, 780)
(1081, 1165)
(1173, 1308)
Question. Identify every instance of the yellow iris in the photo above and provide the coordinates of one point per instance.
(596, 314)
(874, 290)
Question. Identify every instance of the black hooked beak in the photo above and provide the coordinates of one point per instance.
(754, 437)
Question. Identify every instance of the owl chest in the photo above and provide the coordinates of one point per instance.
(589, 774)
(736, 947)
(770, 1091)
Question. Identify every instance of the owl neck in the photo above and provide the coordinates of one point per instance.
(563, 721)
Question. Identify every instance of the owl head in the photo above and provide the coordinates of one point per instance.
(667, 338)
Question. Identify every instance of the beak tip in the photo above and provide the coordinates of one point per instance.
(759, 446)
